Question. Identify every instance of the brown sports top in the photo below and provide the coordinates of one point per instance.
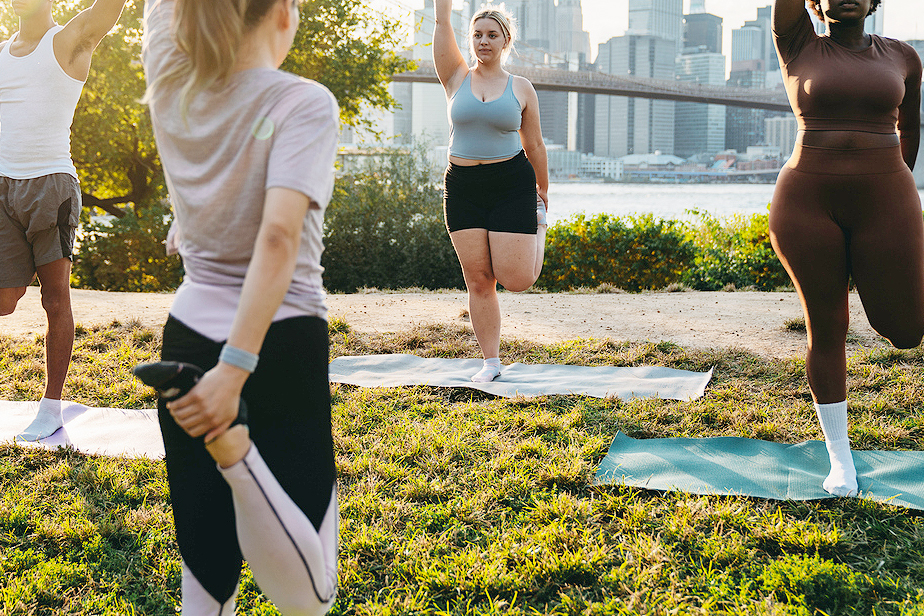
(831, 87)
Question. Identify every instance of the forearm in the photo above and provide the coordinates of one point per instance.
(443, 12)
(265, 285)
(911, 142)
(539, 159)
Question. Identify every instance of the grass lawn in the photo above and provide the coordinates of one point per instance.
(454, 502)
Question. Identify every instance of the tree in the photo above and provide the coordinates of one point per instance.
(340, 43)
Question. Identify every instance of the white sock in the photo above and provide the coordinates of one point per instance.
(489, 371)
(842, 480)
(47, 421)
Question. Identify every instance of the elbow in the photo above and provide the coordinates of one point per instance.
(534, 148)
(279, 241)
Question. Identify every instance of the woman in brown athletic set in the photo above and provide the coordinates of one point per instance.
(846, 204)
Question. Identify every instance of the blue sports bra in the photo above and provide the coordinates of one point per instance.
(484, 131)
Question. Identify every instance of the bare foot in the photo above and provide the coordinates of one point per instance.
(230, 447)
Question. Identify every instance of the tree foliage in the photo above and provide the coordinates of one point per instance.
(339, 43)
(384, 228)
(128, 254)
(634, 253)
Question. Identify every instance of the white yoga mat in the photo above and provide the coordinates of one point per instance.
(521, 379)
(100, 431)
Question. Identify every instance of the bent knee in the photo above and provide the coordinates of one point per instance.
(9, 298)
(518, 285)
(906, 340)
(901, 335)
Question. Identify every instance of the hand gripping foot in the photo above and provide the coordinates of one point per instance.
(174, 379)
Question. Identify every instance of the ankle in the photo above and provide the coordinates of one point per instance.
(230, 447)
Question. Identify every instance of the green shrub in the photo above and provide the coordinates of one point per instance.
(128, 254)
(634, 254)
(384, 228)
(734, 251)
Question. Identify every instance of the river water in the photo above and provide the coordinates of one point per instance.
(671, 201)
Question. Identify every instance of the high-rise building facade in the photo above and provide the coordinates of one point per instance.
(662, 18)
(635, 125)
(753, 65)
(572, 38)
(702, 32)
(699, 128)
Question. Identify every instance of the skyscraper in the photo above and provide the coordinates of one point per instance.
(635, 125)
(753, 65)
(702, 32)
(700, 128)
(538, 28)
(572, 38)
(662, 18)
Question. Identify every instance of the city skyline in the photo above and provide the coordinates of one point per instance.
(604, 19)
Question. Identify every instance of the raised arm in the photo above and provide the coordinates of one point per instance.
(449, 62)
(74, 45)
(531, 136)
(786, 13)
(909, 112)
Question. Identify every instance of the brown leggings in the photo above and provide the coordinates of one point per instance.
(842, 213)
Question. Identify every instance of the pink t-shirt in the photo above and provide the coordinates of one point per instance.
(263, 129)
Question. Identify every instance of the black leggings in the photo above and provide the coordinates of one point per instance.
(288, 399)
(842, 213)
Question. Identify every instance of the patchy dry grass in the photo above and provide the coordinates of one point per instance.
(455, 502)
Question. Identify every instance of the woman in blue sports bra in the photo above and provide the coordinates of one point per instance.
(496, 185)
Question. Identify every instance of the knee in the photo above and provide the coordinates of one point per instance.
(907, 339)
(481, 283)
(9, 299)
(56, 302)
(900, 335)
(828, 333)
(517, 284)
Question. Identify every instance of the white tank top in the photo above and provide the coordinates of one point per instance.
(37, 103)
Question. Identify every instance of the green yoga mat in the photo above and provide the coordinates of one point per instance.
(747, 467)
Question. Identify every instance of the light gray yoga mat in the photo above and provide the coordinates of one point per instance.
(748, 467)
(102, 431)
(520, 379)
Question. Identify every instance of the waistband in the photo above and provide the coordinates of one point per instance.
(837, 161)
(885, 127)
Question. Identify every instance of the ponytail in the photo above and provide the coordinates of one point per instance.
(209, 34)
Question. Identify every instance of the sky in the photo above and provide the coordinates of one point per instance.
(603, 19)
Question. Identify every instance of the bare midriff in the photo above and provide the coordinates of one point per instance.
(846, 139)
(466, 162)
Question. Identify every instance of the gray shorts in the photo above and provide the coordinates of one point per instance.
(38, 222)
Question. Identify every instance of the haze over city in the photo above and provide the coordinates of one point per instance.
(603, 19)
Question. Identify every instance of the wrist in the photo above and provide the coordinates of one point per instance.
(239, 358)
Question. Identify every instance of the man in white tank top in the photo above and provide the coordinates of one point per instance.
(42, 71)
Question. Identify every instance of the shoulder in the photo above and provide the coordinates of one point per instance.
(304, 97)
(903, 50)
(522, 87)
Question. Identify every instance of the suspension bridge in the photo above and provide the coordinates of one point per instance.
(589, 82)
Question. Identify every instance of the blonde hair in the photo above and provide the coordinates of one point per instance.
(504, 19)
(209, 33)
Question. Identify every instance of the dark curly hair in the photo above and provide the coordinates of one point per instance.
(815, 5)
